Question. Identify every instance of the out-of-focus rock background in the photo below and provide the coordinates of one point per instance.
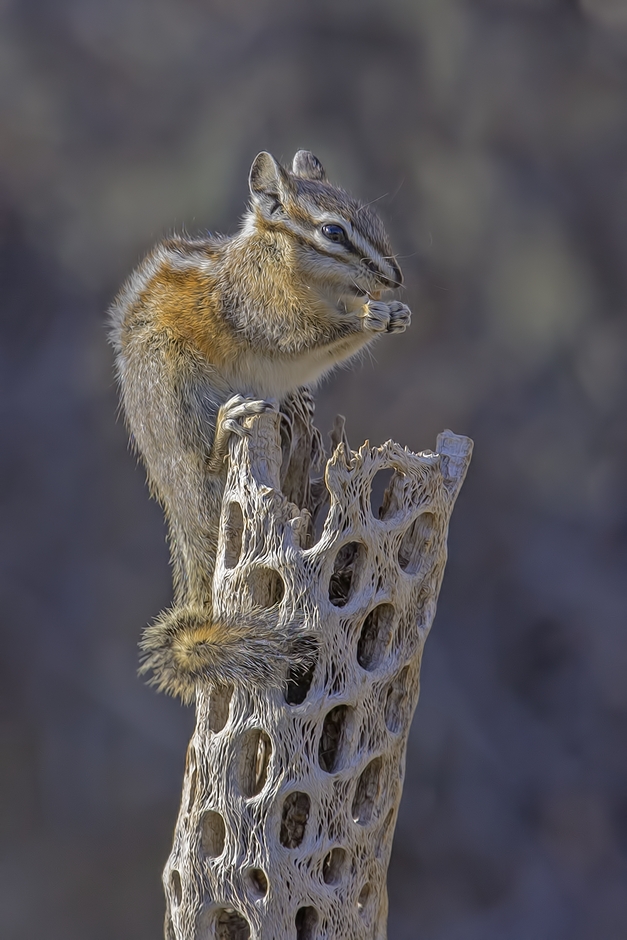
(494, 135)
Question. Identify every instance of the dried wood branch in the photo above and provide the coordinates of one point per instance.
(290, 796)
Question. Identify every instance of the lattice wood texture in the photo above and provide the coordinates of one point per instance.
(290, 796)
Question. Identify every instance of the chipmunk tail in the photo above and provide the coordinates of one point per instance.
(186, 647)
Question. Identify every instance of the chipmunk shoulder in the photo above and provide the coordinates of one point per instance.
(208, 331)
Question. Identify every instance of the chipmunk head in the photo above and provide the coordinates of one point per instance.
(339, 241)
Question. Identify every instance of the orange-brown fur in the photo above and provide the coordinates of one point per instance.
(210, 330)
(186, 305)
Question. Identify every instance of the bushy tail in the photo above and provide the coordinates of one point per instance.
(186, 646)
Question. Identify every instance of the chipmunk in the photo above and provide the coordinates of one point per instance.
(210, 330)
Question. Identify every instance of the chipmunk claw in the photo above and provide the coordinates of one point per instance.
(400, 317)
(238, 407)
(234, 427)
(376, 316)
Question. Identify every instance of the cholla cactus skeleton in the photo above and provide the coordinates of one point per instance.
(290, 796)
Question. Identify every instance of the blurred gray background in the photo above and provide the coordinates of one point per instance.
(494, 135)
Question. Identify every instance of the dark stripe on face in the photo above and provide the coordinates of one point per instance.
(305, 242)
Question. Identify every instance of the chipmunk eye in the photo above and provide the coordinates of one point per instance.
(335, 233)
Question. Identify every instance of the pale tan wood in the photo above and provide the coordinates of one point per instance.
(289, 807)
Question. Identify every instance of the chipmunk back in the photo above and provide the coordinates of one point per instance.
(208, 331)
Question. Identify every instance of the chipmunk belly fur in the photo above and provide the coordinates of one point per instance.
(208, 331)
(265, 377)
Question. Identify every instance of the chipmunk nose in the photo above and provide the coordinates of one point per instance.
(395, 279)
(397, 276)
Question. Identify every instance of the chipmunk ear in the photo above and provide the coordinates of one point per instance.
(309, 167)
(268, 183)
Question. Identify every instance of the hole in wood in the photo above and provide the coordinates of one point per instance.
(286, 432)
(190, 771)
(396, 702)
(362, 900)
(393, 498)
(367, 792)
(266, 586)
(257, 882)
(378, 489)
(375, 636)
(192, 789)
(233, 532)
(230, 925)
(335, 738)
(294, 819)
(177, 890)
(298, 683)
(384, 831)
(321, 504)
(333, 866)
(416, 542)
(346, 567)
(254, 757)
(212, 833)
(306, 920)
(190, 758)
(219, 704)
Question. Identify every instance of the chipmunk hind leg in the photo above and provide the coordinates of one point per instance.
(186, 646)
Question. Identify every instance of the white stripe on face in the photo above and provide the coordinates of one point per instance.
(360, 242)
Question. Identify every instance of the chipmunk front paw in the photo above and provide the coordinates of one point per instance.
(380, 317)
